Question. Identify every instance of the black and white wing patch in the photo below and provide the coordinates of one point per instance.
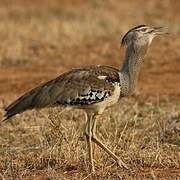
(93, 96)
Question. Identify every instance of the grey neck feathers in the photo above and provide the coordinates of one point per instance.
(130, 70)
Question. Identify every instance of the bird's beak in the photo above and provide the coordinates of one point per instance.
(159, 30)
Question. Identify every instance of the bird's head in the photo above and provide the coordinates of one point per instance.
(141, 35)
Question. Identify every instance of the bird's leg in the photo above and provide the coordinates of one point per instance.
(107, 150)
(88, 134)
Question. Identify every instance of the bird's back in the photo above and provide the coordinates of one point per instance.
(85, 87)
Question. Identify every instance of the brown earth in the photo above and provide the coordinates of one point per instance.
(160, 74)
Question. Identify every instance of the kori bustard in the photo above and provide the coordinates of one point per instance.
(93, 88)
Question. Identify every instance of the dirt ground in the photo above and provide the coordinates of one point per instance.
(160, 73)
(41, 39)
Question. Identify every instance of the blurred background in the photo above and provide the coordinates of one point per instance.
(40, 39)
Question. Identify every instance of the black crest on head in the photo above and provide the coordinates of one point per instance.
(137, 27)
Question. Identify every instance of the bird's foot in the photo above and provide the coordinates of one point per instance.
(121, 164)
(91, 168)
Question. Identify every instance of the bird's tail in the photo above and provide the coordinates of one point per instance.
(38, 97)
(21, 104)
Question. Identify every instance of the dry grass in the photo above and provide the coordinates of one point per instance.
(51, 143)
(40, 40)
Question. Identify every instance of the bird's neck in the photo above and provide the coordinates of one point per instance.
(130, 70)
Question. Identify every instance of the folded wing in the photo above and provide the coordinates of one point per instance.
(83, 86)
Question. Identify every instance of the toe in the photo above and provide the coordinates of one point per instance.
(122, 164)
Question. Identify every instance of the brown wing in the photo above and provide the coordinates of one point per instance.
(79, 86)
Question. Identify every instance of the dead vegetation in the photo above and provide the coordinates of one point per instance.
(40, 40)
(145, 135)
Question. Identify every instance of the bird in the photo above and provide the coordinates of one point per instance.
(93, 88)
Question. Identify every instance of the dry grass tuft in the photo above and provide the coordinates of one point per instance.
(145, 135)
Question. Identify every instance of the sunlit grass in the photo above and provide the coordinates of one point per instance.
(50, 143)
(144, 135)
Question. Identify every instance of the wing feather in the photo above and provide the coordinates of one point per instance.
(66, 88)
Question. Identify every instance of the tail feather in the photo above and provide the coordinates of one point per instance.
(21, 104)
(39, 97)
